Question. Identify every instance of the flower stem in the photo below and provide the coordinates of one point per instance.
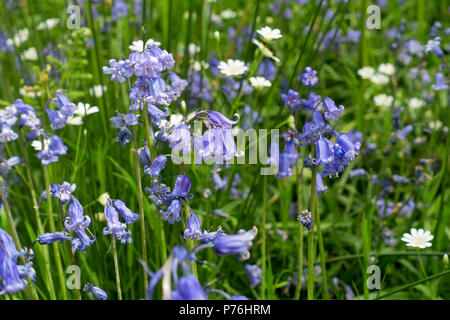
(321, 252)
(51, 223)
(157, 222)
(300, 245)
(310, 234)
(116, 269)
(263, 245)
(421, 263)
(141, 205)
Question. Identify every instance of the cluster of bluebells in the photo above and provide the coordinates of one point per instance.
(76, 222)
(333, 150)
(13, 275)
(23, 115)
(185, 285)
(150, 68)
(115, 227)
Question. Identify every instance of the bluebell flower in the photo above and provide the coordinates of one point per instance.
(235, 244)
(160, 194)
(144, 156)
(188, 288)
(119, 10)
(346, 148)
(96, 292)
(180, 139)
(47, 238)
(403, 133)
(238, 297)
(7, 134)
(407, 209)
(6, 165)
(254, 274)
(76, 219)
(66, 108)
(10, 274)
(119, 70)
(121, 122)
(8, 115)
(57, 121)
(172, 214)
(305, 218)
(115, 227)
(400, 179)
(309, 77)
(320, 187)
(158, 164)
(284, 166)
(193, 231)
(433, 45)
(324, 152)
(357, 173)
(291, 99)
(182, 186)
(82, 241)
(440, 84)
(63, 191)
(332, 112)
(156, 114)
(210, 237)
(216, 119)
(129, 216)
(52, 150)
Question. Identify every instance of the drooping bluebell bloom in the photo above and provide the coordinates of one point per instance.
(235, 244)
(8, 115)
(357, 173)
(115, 227)
(332, 112)
(385, 209)
(129, 216)
(193, 231)
(346, 148)
(189, 288)
(320, 187)
(47, 238)
(144, 156)
(6, 165)
(309, 77)
(158, 164)
(440, 84)
(305, 218)
(180, 139)
(76, 219)
(232, 87)
(172, 214)
(216, 119)
(96, 292)
(254, 274)
(403, 133)
(156, 114)
(284, 166)
(182, 186)
(199, 88)
(407, 209)
(63, 191)
(400, 179)
(209, 237)
(57, 121)
(433, 45)
(10, 275)
(82, 241)
(324, 152)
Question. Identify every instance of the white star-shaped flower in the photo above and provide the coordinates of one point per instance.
(269, 34)
(418, 238)
(259, 82)
(232, 68)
